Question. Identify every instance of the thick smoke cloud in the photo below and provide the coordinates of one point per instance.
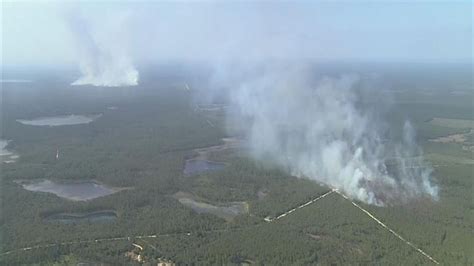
(313, 126)
(103, 55)
(317, 128)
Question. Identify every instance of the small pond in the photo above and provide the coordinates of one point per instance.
(7, 156)
(200, 162)
(106, 216)
(62, 120)
(198, 166)
(3, 148)
(77, 191)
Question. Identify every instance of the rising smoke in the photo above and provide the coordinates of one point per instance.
(103, 55)
(314, 127)
(317, 128)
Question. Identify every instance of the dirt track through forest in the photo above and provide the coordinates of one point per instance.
(388, 228)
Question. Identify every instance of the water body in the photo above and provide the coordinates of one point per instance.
(7, 156)
(3, 148)
(79, 191)
(62, 120)
(198, 166)
(105, 216)
(200, 162)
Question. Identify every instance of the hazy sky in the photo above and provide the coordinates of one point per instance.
(50, 33)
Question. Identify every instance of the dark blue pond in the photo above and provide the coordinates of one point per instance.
(196, 166)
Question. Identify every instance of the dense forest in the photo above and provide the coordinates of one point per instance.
(142, 144)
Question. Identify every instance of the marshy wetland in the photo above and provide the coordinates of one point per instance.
(226, 211)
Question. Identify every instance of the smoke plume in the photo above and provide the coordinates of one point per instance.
(317, 128)
(102, 50)
(313, 126)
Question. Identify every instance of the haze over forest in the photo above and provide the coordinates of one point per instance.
(236, 132)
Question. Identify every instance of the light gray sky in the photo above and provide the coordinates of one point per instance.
(40, 33)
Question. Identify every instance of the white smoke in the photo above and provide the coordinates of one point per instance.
(103, 55)
(317, 129)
